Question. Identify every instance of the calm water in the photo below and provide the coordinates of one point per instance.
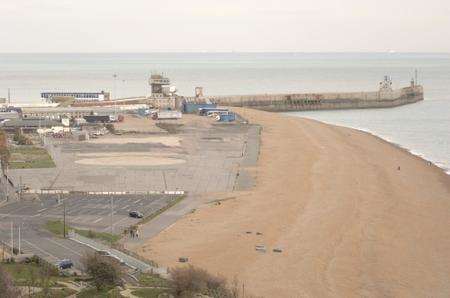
(424, 128)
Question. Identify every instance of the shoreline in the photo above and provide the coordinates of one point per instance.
(333, 199)
(384, 139)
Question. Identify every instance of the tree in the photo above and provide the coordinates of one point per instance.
(20, 138)
(7, 289)
(110, 127)
(190, 281)
(4, 152)
(104, 271)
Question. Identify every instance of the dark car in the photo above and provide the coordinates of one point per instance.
(65, 264)
(136, 214)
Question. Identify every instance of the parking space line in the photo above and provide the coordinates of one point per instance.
(97, 220)
(63, 246)
(14, 212)
(40, 249)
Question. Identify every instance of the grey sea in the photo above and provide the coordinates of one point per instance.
(423, 128)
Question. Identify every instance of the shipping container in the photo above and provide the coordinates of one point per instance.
(190, 107)
(227, 117)
(161, 115)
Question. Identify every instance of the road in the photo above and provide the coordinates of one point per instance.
(87, 212)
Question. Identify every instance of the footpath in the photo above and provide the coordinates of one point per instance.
(122, 257)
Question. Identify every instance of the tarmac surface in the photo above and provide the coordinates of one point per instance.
(83, 212)
(212, 156)
(213, 153)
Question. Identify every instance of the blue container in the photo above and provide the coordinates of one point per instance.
(227, 117)
(190, 108)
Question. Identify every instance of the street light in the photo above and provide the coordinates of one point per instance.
(115, 85)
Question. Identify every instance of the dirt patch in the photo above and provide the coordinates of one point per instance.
(167, 141)
(133, 159)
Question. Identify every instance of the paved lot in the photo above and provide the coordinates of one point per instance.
(41, 243)
(212, 156)
(87, 212)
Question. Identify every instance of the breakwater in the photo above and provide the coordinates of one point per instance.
(324, 101)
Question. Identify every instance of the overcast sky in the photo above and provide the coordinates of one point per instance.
(224, 25)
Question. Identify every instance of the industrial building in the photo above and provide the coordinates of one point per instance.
(27, 125)
(77, 96)
(70, 112)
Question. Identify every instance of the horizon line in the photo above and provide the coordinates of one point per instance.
(232, 52)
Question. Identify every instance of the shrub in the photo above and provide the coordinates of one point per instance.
(189, 281)
(7, 289)
(110, 127)
(104, 271)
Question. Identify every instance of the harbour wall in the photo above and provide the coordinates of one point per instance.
(323, 101)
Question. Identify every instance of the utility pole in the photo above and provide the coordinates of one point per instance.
(112, 212)
(64, 219)
(9, 96)
(12, 239)
(19, 241)
(415, 76)
(164, 178)
(7, 182)
(20, 187)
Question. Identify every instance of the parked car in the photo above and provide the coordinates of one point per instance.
(65, 264)
(136, 214)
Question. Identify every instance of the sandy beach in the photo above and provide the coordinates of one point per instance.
(354, 216)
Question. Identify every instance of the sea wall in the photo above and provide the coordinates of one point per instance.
(323, 101)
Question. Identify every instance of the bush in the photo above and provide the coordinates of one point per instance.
(189, 281)
(110, 127)
(21, 139)
(104, 271)
(7, 289)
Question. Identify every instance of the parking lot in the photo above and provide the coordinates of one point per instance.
(202, 157)
(90, 212)
(96, 212)
(198, 159)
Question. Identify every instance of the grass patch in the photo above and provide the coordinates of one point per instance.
(107, 237)
(23, 274)
(93, 293)
(56, 227)
(149, 293)
(55, 293)
(153, 280)
(163, 209)
(30, 157)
